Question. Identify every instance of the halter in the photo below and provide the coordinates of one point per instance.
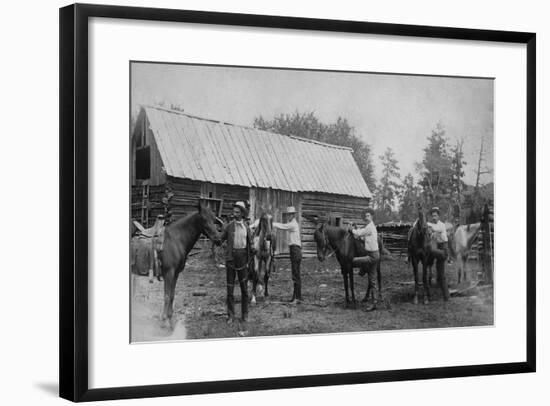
(266, 236)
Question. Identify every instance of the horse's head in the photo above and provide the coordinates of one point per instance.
(208, 223)
(423, 232)
(321, 240)
(266, 225)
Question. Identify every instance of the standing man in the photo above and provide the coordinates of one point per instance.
(439, 244)
(237, 254)
(372, 258)
(295, 245)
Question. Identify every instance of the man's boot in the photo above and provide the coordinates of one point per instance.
(299, 293)
(293, 299)
(376, 300)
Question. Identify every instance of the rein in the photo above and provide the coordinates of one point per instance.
(327, 245)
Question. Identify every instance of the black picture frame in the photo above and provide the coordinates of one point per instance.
(73, 147)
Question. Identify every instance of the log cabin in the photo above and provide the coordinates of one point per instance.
(179, 160)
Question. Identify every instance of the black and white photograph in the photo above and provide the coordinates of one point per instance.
(269, 201)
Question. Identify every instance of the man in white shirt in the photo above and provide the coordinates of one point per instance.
(440, 244)
(372, 257)
(292, 229)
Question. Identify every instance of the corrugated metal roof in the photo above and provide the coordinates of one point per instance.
(210, 151)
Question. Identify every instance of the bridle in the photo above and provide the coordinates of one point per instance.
(264, 235)
(325, 243)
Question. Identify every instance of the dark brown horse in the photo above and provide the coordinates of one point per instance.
(345, 247)
(264, 246)
(419, 245)
(179, 239)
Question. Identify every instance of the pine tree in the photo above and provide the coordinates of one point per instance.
(409, 197)
(436, 172)
(389, 185)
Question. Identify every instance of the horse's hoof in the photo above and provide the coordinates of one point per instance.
(166, 324)
(415, 301)
(253, 301)
(426, 301)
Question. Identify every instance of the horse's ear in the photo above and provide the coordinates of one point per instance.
(199, 206)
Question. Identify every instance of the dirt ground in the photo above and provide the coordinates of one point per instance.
(200, 310)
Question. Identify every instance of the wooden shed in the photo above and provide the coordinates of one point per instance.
(179, 159)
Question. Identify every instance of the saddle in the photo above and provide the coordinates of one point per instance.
(154, 233)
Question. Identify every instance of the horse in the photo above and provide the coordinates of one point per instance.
(464, 237)
(345, 247)
(179, 238)
(418, 248)
(264, 246)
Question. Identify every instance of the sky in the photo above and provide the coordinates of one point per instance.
(386, 110)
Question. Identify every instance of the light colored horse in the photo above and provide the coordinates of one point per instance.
(264, 246)
(464, 237)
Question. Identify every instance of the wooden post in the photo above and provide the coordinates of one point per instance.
(486, 260)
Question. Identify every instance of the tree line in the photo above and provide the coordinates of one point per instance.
(440, 173)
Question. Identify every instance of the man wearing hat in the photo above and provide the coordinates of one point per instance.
(295, 245)
(237, 254)
(439, 240)
(370, 261)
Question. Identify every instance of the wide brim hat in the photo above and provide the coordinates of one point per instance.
(435, 209)
(370, 210)
(241, 206)
(290, 210)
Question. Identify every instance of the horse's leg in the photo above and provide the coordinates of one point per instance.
(261, 276)
(430, 261)
(255, 279)
(350, 274)
(426, 270)
(443, 279)
(168, 276)
(379, 276)
(414, 262)
(469, 274)
(345, 276)
(266, 275)
(464, 268)
(173, 294)
(458, 268)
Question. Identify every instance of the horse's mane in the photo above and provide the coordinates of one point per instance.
(333, 234)
(334, 231)
(190, 218)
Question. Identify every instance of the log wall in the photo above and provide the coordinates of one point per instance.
(312, 208)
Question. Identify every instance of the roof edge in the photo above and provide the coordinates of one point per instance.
(183, 113)
(324, 144)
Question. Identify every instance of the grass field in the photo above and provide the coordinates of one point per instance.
(200, 310)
